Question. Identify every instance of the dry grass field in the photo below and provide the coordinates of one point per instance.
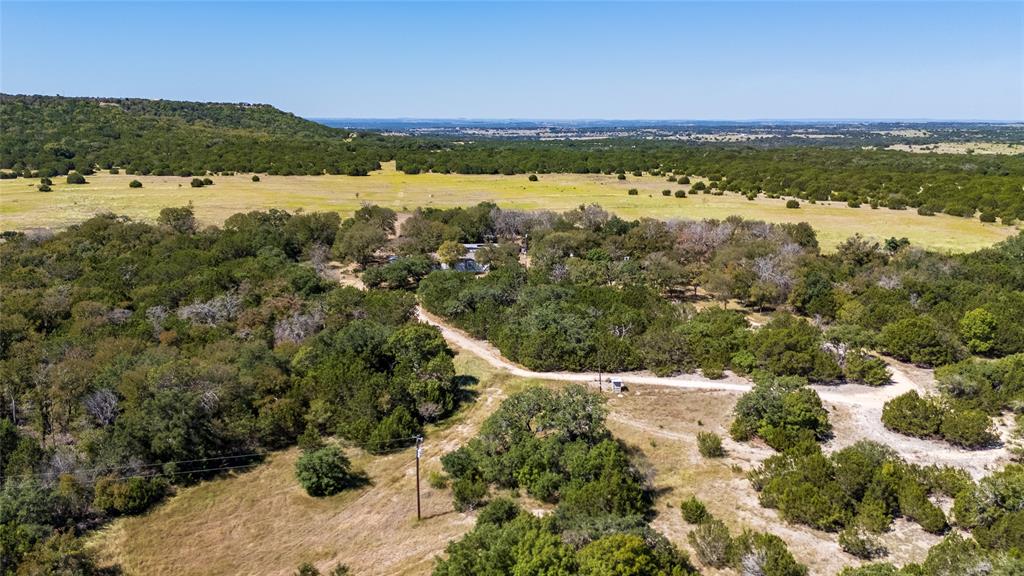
(262, 522)
(22, 206)
(960, 148)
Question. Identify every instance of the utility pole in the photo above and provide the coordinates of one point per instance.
(419, 452)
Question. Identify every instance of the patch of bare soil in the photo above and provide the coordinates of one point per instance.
(661, 424)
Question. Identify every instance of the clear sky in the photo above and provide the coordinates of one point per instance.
(690, 60)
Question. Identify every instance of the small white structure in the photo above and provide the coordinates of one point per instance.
(468, 262)
(616, 384)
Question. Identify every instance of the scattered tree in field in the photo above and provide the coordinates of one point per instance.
(633, 192)
(181, 220)
(135, 184)
(711, 542)
(324, 472)
(791, 203)
(710, 445)
(76, 178)
(197, 183)
(532, 178)
(927, 417)
(693, 510)
(912, 415)
(255, 178)
(861, 543)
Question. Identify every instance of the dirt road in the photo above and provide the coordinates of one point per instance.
(856, 410)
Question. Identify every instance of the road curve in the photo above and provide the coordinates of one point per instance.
(849, 394)
(863, 404)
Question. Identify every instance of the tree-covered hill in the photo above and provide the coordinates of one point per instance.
(54, 135)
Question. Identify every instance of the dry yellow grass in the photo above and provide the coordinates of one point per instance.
(22, 206)
(960, 148)
(262, 522)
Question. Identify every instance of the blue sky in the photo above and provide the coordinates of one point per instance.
(690, 60)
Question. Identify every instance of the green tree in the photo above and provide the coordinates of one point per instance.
(181, 220)
(968, 428)
(711, 542)
(450, 252)
(694, 511)
(920, 340)
(763, 553)
(710, 445)
(358, 242)
(978, 330)
(911, 414)
(624, 555)
(324, 472)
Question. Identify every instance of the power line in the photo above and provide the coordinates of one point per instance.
(104, 469)
(129, 466)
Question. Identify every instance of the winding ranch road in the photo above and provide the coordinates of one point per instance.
(862, 405)
(850, 394)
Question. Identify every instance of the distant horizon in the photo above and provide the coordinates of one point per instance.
(539, 120)
(512, 119)
(745, 60)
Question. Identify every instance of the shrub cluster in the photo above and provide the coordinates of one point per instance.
(930, 417)
(554, 446)
(750, 552)
(324, 471)
(859, 488)
(782, 411)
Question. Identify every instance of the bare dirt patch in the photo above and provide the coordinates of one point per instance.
(662, 424)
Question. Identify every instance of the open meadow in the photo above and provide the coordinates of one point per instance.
(22, 206)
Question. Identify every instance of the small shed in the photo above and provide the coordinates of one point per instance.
(616, 384)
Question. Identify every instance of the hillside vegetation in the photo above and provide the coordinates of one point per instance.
(53, 135)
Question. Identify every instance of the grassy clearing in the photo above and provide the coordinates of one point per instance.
(262, 522)
(22, 206)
